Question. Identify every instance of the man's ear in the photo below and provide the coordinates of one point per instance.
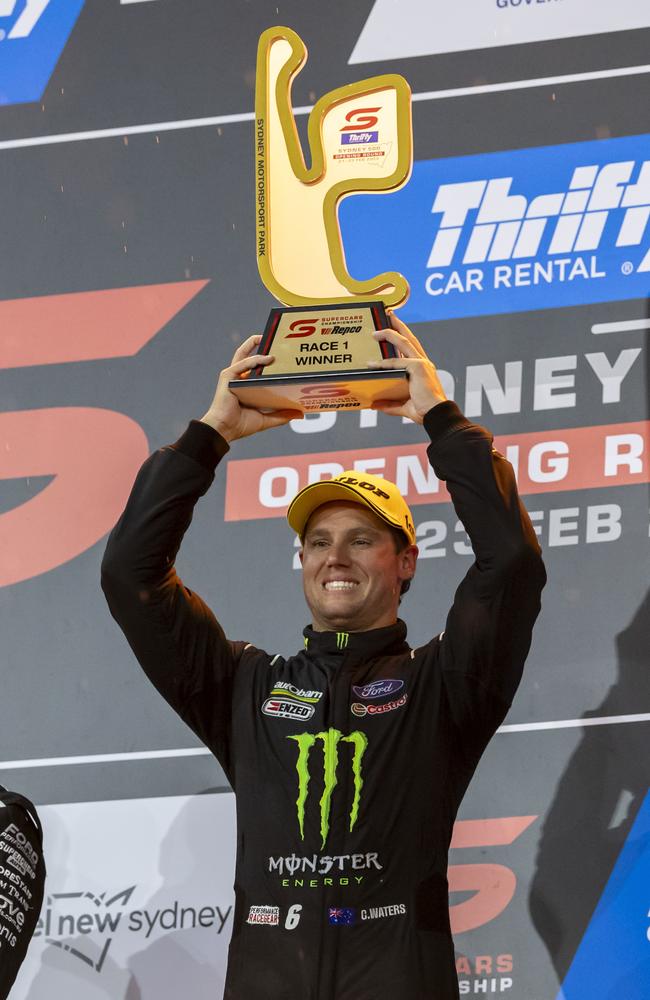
(301, 553)
(408, 560)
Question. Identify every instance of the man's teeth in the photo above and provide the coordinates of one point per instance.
(340, 585)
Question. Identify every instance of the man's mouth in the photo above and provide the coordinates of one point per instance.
(340, 585)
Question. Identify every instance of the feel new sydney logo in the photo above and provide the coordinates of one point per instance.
(85, 925)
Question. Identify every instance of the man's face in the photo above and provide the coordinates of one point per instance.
(352, 573)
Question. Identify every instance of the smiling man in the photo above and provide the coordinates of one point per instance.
(350, 759)
(355, 555)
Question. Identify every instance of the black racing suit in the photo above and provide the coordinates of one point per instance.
(349, 760)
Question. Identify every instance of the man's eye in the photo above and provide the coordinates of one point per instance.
(362, 541)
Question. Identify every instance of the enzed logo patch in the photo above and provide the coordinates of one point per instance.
(282, 708)
(524, 229)
(331, 740)
(287, 701)
(33, 34)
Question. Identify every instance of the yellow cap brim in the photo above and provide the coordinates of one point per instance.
(305, 503)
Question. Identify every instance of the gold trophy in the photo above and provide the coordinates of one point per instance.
(360, 140)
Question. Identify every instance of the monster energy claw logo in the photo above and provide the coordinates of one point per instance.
(330, 740)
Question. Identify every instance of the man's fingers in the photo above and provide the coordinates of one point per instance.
(278, 417)
(245, 349)
(245, 364)
(391, 363)
(403, 344)
(397, 323)
(405, 331)
(389, 406)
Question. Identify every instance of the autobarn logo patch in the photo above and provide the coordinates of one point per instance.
(287, 690)
(286, 701)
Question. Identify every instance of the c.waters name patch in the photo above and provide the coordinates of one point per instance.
(380, 912)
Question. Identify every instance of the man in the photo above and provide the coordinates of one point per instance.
(350, 759)
(22, 882)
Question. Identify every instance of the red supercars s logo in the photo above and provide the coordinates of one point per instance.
(493, 885)
(91, 454)
(302, 328)
(324, 391)
(366, 119)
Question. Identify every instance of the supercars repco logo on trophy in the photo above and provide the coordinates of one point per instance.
(360, 141)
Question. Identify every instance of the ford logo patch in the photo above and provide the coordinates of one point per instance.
(377, 689)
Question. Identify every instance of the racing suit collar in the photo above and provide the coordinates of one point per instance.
(390, 639)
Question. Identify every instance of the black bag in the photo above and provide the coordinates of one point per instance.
(22, 880)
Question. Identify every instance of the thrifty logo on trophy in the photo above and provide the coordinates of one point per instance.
(360, 141)
(360, 138)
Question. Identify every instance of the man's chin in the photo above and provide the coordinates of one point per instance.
(343, 620)
(340, 616)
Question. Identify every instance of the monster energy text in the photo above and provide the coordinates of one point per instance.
(322, 870)
(330, 740)
(323, 864)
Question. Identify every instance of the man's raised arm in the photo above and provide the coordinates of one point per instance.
(489, 627)
(172, 632)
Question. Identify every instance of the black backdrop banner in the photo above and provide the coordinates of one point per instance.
(128, 278)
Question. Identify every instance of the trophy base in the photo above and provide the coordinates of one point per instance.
(344, 390)
(321, 360)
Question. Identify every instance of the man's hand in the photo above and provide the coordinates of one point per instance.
(226, 414)
(425, 389)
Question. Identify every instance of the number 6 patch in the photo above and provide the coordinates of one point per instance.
(293, 917)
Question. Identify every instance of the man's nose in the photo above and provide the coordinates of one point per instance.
(338, 554)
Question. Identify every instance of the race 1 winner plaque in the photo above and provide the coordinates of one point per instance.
(360, 140)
